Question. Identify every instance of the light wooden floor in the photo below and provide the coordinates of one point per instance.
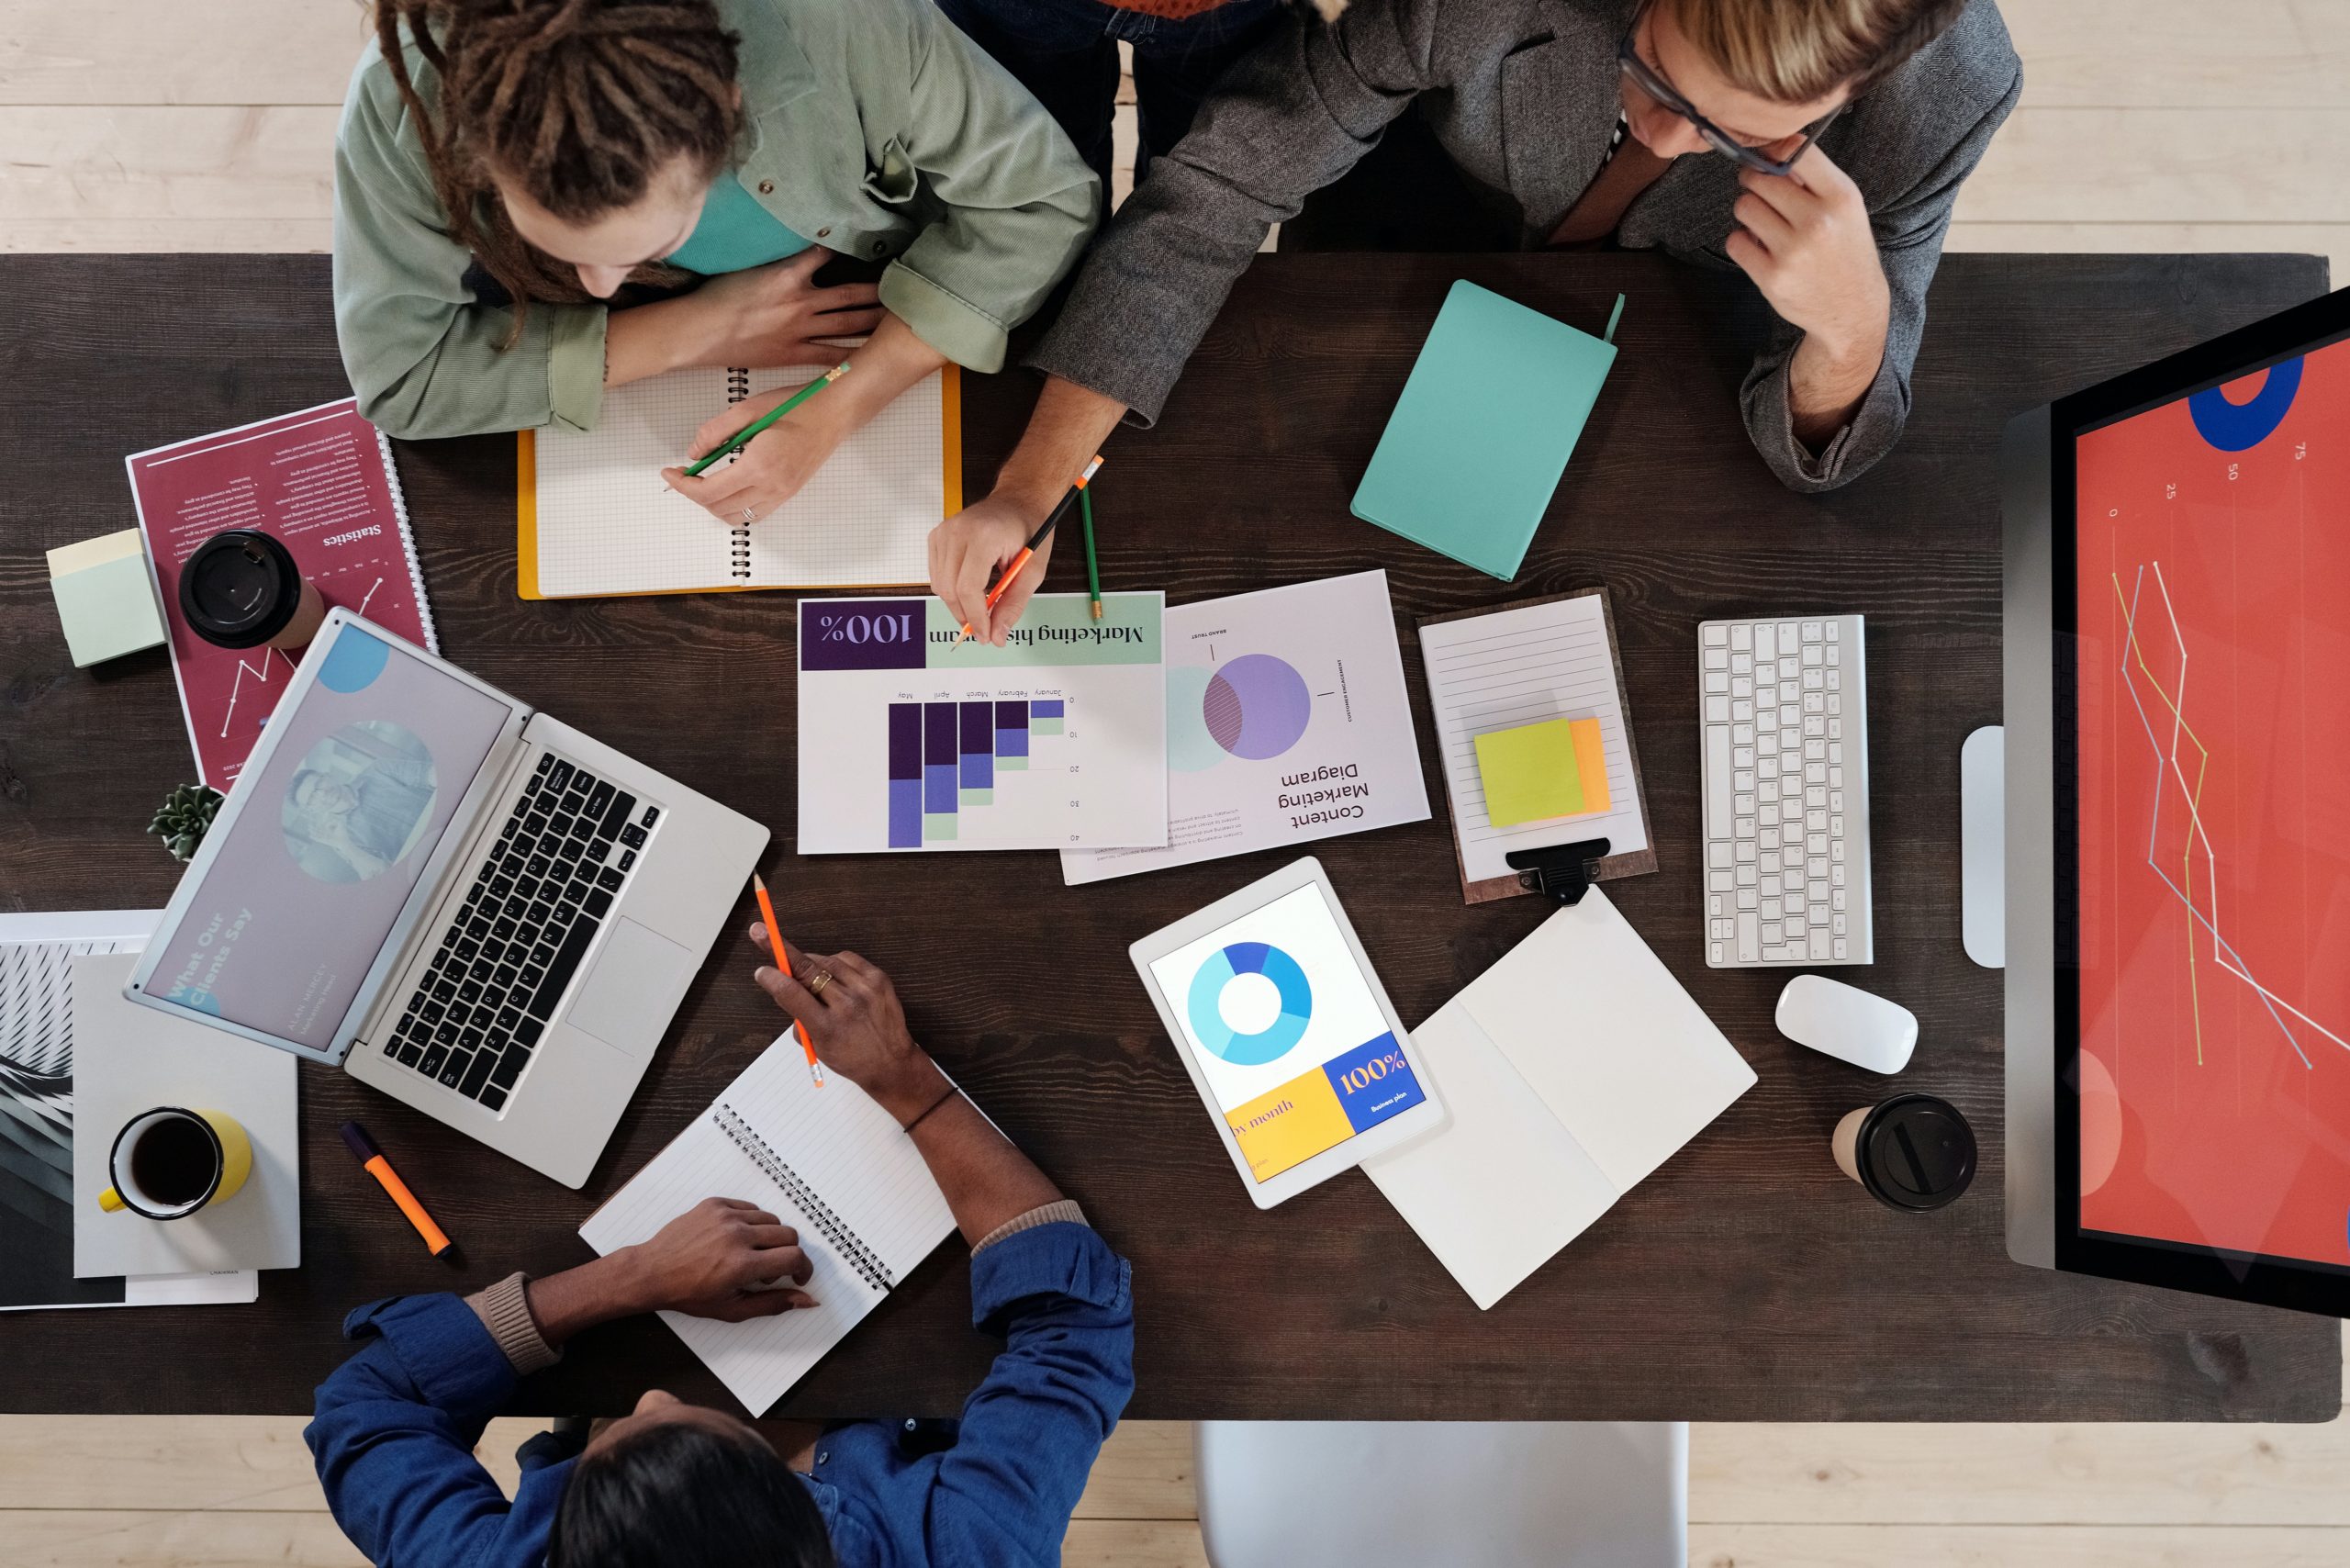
(166, 125)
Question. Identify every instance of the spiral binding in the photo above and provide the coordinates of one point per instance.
(847, 1242)
(738, 386)
(407, 544)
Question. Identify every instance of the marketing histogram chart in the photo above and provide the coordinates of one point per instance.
(945, 759)
(1056, 741)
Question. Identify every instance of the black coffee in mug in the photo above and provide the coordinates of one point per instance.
(173, 1161)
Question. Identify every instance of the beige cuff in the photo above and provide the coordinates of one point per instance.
(504, 1309)
(574, 364)
(1064, 1211)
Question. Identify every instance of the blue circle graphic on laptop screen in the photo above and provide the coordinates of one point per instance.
(1250, 1003)
(359, 802)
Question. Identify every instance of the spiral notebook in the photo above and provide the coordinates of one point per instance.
(831, 1164)
(594, 519)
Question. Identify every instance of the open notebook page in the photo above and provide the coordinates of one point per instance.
(1521, 667)
(606, 524)
(838, 1145)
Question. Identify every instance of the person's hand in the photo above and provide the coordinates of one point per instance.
(1804, 238)
(722, 1259)
(775, 315)
(771, 469)
(857, 1025)
(968, 549)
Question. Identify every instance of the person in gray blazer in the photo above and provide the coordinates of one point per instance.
(1814, 145)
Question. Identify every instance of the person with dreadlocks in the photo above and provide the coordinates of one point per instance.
(510, 173)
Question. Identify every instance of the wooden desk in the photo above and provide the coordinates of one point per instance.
(1747, 1279)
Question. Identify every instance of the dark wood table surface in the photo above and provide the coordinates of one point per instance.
(1745, 1280)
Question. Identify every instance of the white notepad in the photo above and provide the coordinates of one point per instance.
(594, 518)
(1572, 1069)
(1552, 658)
(828, 1162)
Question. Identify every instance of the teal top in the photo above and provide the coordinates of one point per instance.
(734, 233)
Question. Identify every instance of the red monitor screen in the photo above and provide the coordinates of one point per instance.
(2213, 612)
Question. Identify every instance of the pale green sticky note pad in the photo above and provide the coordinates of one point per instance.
(1529, 773)
(107, 610)
(1483, 429)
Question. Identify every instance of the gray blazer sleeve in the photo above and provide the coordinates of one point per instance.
(1293, 116)
(1909, 234)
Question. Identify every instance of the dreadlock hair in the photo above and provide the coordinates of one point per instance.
(576, 102)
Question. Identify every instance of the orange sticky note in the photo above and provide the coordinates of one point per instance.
(1591, 762)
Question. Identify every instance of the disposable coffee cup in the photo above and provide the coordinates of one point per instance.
(241, 589)
(1913, 1152)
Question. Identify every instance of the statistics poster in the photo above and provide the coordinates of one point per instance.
(1287, 722)
(910, 741)
(2212, 586)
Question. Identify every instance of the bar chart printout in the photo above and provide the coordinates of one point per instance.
(935, 745)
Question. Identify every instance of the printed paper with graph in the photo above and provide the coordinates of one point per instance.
(2213, 583)
(912, 740)
(597, 519)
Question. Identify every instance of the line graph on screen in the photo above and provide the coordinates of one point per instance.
(2171, 768)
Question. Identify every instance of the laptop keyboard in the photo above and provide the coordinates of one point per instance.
(510, 951)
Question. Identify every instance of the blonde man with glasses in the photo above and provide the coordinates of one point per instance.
(1817, 146)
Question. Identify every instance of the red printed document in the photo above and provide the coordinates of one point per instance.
(322, 481)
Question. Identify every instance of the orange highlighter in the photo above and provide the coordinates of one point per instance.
(372, 1159)
(783, 962)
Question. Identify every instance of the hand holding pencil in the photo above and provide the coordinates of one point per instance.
(852, 1015)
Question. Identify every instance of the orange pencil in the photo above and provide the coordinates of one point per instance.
(372, 1160)
(783, 962)
(1028, 551)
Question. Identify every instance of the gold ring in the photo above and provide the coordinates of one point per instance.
(817, 981)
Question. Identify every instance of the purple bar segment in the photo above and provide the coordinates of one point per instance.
(1043, 709)
(905, 775)
(938, 759)
(1011, 729)
(978, 746)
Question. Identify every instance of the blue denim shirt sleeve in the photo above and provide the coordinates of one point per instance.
(393, 1435)
(1002, 1496)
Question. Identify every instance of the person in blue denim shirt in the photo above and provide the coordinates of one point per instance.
(681, 1485)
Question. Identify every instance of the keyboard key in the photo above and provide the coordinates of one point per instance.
(632, 835)
(576, 941)
(453, 1071)
(651, 814)
(599, 796)
(493, 1098)
(1741, 637)
(1715, 637)
(510, 1065)
(1717, 781)
(477, 1073)
(599, 902)
(527, 1032)
(1749, 938)
(607, 878)
(628, 858)
(503, 977)
(559, 775)
(435, 1059)
(411, 1053)
(615, 815)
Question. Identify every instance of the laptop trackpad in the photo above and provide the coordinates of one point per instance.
(632, 989)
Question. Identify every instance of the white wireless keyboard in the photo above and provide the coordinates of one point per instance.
(1784, 708)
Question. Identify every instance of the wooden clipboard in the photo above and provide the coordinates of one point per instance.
(1570, 828)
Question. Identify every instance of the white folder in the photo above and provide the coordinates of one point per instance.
(1572, 1069)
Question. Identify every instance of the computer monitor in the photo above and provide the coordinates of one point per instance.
(2177, 715)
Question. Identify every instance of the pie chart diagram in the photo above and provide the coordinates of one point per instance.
(1232, 965)
(1255, 707)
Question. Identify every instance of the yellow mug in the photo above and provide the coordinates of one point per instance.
(170, 1162)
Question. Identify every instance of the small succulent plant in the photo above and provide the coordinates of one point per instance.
(181, 821)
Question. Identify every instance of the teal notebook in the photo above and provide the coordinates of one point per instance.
(1483, 429)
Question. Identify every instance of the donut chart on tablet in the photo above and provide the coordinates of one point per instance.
(1224, 969)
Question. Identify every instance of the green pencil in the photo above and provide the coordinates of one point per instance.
(1093, 565)
(740, 439)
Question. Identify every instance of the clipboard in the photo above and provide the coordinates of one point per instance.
(1525, 667)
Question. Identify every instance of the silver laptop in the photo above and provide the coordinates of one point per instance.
(471, 906)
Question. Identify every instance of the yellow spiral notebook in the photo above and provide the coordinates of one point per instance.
(594, 519)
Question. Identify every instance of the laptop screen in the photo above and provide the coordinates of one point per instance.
(333, 832)
(2213, 600)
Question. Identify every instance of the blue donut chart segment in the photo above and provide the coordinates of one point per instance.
(1205, 1004)
(2239, 427)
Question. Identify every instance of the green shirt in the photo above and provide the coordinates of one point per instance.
(872, 126)
(734, 233)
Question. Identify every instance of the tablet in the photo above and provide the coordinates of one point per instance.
(1287, 1033)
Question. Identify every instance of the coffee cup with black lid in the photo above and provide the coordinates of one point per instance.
(242, 589)
(1913, 1152)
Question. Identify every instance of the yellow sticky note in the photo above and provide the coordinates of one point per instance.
(1530, 773)
(1591, 760)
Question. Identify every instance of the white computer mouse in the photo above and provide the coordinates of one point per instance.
(1847, 1022)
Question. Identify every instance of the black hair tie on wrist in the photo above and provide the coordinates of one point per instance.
(951, 1092)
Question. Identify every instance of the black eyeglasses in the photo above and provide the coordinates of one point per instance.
(1646, 79)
